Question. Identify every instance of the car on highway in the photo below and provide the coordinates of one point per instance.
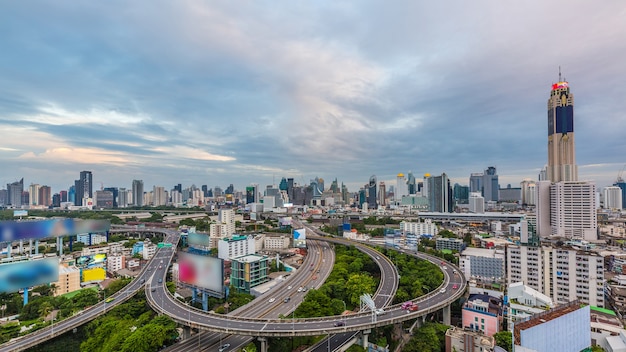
(289, 287)
(287, 299)
(108, 300)
(224, 347)
(272, 300)
(443, 290)
(300, 289)
(380, 311)
(339, 323)
(160, 280)
(455, 286)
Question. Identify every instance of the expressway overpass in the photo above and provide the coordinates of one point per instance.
(162, 301)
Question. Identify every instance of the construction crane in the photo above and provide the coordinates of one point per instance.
(619, 175)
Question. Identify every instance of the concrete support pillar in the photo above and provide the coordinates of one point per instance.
(30, 247)
(446, 315)
(9, 247)
(21, 247)
(418, 323)
(261, 344)
(26, 296)
(186, 332)
(365, 338)
(205, 301)
(36, 246)
(194, 294)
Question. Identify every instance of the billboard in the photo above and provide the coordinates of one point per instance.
(198, 239)
(25, 230)
(286, 221)
(201, 271)
(18, 275)
(18, 213)
(299, 238)
(91, 261)
(95, 274)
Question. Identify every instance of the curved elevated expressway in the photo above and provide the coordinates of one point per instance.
(162, 301)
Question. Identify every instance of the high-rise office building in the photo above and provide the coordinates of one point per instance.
(476, 183)
(33, 190)
(138, 193)
(115, 193)
(371, 193)
(561, 146)
(401, 188)
(122, 198)
(612, 197)
(528, 192)
(382, 194)
(83, 187)
(622, 185)
(490, 184)
(439, 194)
(44, 196)
(410, 183)
(14, 191)
(159, 196)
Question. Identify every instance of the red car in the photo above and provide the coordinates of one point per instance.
(455, 286)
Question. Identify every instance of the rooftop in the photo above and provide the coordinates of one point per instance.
(544, 317)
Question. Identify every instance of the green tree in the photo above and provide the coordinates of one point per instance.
(359, 284)
(504, 339)
(45, 308)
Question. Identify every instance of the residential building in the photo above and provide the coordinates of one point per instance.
(476, 203)
(14, 192)
(159, 196)
(454, 244)
(249, 271)
(273, 243)
(483, 265)
(524, 302)
(116, 262)
(527, 192)
(149, 250)
(564, 328)
(482, 313)
(562, 273)
(226, 217)
(235, 246)
(573, 210)
(45, 196)
(427, 227)
(69, 280)
(90, 239)
(33, 190)
(464, 340)
(612, 196)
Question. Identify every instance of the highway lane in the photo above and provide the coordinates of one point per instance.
(86, 315)
(320, 257)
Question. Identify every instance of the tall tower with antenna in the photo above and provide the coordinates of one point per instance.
(561, 146)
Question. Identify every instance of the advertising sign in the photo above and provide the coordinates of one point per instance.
(92, 261)
(19, 275)
(201, 271)
(24, 230)
(299, 238)
(199, 239)
(18, 213)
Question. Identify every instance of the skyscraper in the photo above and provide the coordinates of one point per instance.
(15, 191)
(371, 193)
(138, 193)
(84, 187)
(561, 153)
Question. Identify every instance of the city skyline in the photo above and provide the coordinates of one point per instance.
(197, 94)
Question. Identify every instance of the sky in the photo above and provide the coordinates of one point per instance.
(221, 92)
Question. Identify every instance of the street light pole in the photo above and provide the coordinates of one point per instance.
(344, 312)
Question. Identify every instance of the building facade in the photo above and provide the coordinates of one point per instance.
(561, 145)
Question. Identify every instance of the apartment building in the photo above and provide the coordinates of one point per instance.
(562, 273)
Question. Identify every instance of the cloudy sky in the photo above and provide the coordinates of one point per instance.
(220, 92)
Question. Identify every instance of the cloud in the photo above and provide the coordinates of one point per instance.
(236, 93)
